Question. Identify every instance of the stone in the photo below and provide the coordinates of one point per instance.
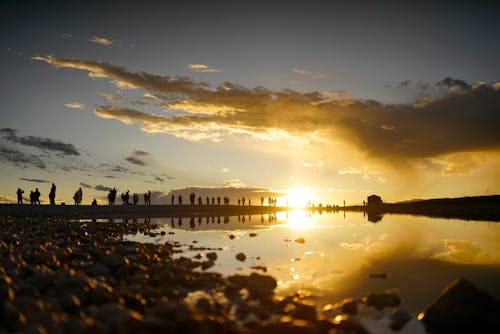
(349, 306)
(241, 257)
(398, 319)
(382, 300)
(212, 256)
(462, 308)
(261, 286)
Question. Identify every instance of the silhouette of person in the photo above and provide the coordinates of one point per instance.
(32, 197)
(112, 196)
(94, 202)
(37, 196)
(80, 195)
(200, 201)
(180, 199)
(20, 196)
(243, 201)
(218, 200)
(52, 194)
(208, 201)
(173, 199)
(135, 198)
(127, 196)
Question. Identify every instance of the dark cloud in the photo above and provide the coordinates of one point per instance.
(102, 188)
(45, 144)
(135, 161)
(85, 185)
(462, 118)
(34, 180)
(111, 177)
(139, 152)
(404, 84)
(451, 83)
(20, 159)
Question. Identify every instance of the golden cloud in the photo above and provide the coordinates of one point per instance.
(449, 123)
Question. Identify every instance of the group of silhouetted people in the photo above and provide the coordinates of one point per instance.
(220, 200)
(78, 197)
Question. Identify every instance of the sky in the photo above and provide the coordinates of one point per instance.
(326, 100)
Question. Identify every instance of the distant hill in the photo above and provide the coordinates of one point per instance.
(473, 208)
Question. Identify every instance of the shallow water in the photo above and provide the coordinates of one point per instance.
(339, 255)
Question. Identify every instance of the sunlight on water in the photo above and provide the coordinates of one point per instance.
(343, 254)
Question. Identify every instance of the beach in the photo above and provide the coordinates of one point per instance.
(80, 276)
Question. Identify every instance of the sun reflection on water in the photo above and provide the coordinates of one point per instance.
(296, 219)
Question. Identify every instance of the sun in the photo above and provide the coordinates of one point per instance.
(297, 197)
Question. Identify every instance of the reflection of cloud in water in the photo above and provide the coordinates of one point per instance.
(464, 251)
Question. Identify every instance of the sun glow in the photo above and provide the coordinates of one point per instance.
(297, 197)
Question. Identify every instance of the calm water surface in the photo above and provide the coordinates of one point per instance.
(336, 255)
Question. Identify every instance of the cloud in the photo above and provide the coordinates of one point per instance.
(136, 158)
(202, 68)
(314, 75)
(102, 188)
(236, 183)
(44, 144)
(139, 152)
(135, 161)
(224, 170)
(450, 122)
(112, 98)
(20, 159)
(101, 40)
(75, 105)
(34, 180)
(85, 185)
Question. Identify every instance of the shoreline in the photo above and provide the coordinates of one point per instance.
(138, 211)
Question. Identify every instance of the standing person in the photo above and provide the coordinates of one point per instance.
(173, 199)
(20, 196)
(52, 194)
(37, 196)
(80, 195)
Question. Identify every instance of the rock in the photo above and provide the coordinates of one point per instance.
(382, 300)
(346, 324)
(231, 236)
(207, 264)
(398, 319)
(461, 308)
(98, 269)
(113, 261)
(300, 240)
(261, 286)
(294, 327)
(241, 257)
(251, 235)
(212, 256)
(349, 306)
(305, 311)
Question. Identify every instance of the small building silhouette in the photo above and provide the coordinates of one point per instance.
(374, 200)
(374, 207)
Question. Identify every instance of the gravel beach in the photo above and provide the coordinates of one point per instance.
(60, 276)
